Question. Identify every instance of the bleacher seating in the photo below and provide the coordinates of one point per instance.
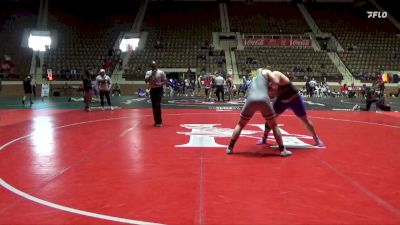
(83, 44)
(179, 29)
(285, 59)
(370, 44)
(13, 21)
(266, 18)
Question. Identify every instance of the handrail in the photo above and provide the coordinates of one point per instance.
(276, 36)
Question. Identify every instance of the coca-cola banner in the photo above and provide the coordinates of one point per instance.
(300, 42)
(254, 42)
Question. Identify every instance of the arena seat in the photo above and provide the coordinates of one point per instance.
(370, 44)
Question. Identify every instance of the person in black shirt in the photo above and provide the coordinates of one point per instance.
(26, 83)
(87, 91)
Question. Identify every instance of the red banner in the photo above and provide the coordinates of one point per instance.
(254, 42)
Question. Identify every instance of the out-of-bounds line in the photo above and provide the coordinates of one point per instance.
(72, 210)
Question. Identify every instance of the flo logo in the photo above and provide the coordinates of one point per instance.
(377, 14)
(205, 135)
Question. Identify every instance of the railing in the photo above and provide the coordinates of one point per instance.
(276, 36)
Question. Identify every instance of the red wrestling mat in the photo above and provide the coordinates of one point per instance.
(114, 167)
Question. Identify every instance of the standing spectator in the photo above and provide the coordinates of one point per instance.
(45, 90)
(87, 91)
(219, 85)
(188, 87)
(229, 86)
(199, 84)
(103, 82)
(33, 83)
(313, 85)
(156, 79)
(344, 90)
(207, 87)
(27, 89)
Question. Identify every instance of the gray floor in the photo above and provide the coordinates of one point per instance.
(184, 102)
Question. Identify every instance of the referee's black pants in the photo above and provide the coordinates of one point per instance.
(155, 96)
(220, 90)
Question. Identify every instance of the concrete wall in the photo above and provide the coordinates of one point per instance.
(17, 90)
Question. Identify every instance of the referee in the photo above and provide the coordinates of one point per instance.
(156, 80)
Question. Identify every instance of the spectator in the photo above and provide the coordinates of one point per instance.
(141, 92)
(344, 90)
(110, 52)
(120, 64)
(73, 73)
(158, 44)
(116, 88)
(103, 82)
(118, 52)
(27, 89)
(313, 85)
(87, 91)
(33, 84)
(229, 86)
(207, 87)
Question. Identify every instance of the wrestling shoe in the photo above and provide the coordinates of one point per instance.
(285, 153)
(229, 150)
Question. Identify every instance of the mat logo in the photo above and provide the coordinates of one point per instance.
(204, 135)
(377, 14)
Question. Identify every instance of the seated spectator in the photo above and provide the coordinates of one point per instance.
(110, 52)
(201, 57)
(73, 73)
(107, 64)
(251, 60)
(117, 52)
(141, 93)
(65, 73)
(158, 45)
(116, 88)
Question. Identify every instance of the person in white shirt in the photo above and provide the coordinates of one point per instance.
(103, 82)
(156, 80)
(219, 85)
(313, 85)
